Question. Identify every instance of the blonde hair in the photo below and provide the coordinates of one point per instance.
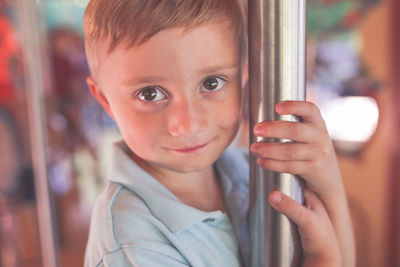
(133, 22)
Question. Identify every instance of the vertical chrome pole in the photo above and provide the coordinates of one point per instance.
(277, 66)
(33, 65)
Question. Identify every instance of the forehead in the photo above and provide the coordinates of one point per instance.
(174, 50)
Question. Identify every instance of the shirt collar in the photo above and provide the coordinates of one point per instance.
(162, 203)
(233, 170)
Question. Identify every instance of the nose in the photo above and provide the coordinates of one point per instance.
(186, 118)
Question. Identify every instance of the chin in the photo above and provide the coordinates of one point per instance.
(189, 166)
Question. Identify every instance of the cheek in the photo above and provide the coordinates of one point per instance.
(137, 129)
(141, 137)
(228, 114)
(130, 120)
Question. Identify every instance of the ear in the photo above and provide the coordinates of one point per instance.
(99, 95)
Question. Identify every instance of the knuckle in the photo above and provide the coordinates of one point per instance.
(296, 212)
(326, 150)
(292, 206)
(315, 109)
(266, 164)
(316, 166)
(288, 204)
(286, 167)
(303, 217)
(296, 129)
(323, 124)
(290, 152)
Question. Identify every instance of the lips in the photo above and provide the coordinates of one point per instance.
(193, 149)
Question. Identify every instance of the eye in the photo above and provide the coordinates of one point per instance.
(151, 94)
(212, 84)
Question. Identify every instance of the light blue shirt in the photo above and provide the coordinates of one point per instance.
(136, 221)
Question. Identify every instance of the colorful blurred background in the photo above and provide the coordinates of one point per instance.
(54, 138)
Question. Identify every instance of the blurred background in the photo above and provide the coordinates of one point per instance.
(54, 138)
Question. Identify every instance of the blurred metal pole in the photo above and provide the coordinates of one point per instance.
(33, 65)
(277, 66)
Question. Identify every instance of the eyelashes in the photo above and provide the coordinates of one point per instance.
(153, 94)
(213, 83)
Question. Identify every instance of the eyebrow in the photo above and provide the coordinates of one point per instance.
(160, 79)
(217, 68)
(146, 80)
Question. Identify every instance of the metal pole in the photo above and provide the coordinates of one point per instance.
(33, 65)
(277, 66)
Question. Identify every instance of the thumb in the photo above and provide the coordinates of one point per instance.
(296, 212)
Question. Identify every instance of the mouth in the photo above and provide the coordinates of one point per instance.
(193, 149)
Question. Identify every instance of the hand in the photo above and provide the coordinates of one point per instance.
(311, 154)
(318, 238)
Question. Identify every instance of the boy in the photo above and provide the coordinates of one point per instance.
(170, 74)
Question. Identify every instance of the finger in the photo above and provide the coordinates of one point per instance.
(295, 131)
(308, 111)
(284, 151)
(313, 202)
(296, 212)
(284, 166)
(316, 231)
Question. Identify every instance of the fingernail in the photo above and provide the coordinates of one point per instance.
(279, 108)
(257, 130)
(276, 198)
(254, 148)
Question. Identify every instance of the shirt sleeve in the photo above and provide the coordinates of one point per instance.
(140, 257)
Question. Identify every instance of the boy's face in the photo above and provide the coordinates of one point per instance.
(177, 97)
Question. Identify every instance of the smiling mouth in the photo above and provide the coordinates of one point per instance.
(194, 149)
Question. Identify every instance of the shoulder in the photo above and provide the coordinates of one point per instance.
(233, 165)
(236, 153)
(121, 220)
